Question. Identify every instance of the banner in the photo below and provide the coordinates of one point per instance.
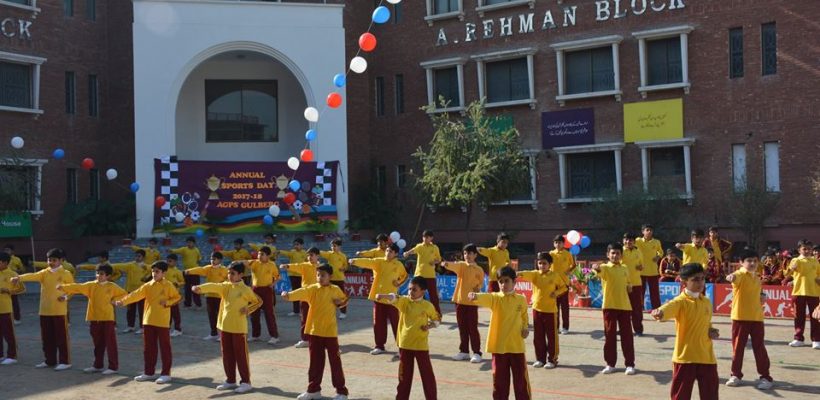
(234, 197)
(653, 120)
(778, 301)
(568, 128)
(15, 224)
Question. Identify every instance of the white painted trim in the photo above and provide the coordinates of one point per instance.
(504, 54)
(31, 7)
(22, 110)
(481, 8)
(586, 44)
(686, 143)
(240, 3)
(447, 110)
(511, 103)
(430, 17)
(663, 32)
(21, 58)
(589, 148)
(429, 75)
(651, 144)
(590, 43)
(482, 59)
(567, 97)
(668, 86)
(444, 62)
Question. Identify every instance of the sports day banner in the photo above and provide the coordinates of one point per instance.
(778, 301)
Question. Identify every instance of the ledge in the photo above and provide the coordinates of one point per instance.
(447, 110)
(504, 54)
(663, 32)
(439, 17)
(589, 148)
(22, 110)
(444, 62)
(515, 3)
(587, 43)
(567, 97)
(530, 102)
(33, 7)
(654, 88)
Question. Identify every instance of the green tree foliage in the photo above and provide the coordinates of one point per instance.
(750, 210)
(625, 211)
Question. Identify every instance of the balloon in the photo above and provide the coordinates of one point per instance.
(367, 42)
(293, 163)
(58, 154)
(574, 250)
(159, 201)
(87, 164)
(567, 244)
(358, 65)
(585, 242)
(294, 185)
(135, 187)
(394, 1)
(312, 114)
(268, 220)
(306, 155)
(401, 243)
(290, 198)
(200, 233)
(394, 236)
(274, 210)
(339, 80)
(381, 15)
(334, 100)
(17, 142)
(179, 217)
(310, 135)
(111, 174)
(574, 236)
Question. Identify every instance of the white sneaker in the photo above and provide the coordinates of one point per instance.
(144, 378)
(796, 343)
(163, 379)
(92, 370)
(538, 364)
(109, 371)
(608, 370)
(41, 365)
(290, 314)
(210, 337)
(301, 344)
(630, 371)
(814, 345)
(8, 361)
(340, 397)
(273, 340)
(733, 381)
(243, 388)
(563, 331)
(309, 396)
(764, 384)
(461, 357)
(62, 367)
(342, 315)
(227, 386)
(138, 331)
(175, 333)
(476, 358)
(549, 365)
(254, 339)
(376, 352)
(126, 330)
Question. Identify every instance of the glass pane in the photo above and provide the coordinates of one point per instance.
(70, 93)
(507, 80)
(15, 85)
(223, 100)
(736, 53)
(519, 79)
(603, 74)
(446, 85)
(769, 46)
(673, 57)
(399, 93)
(591, 173)
(666, 167)
(259, 112)
(578, 67)
(489, 2)
(664, 59)
(241, 111)
(379, 96)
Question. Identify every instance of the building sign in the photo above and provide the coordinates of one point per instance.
(14, 224)
(601, 10)
(568, 128)
(778, 301)
(235, 196)
(16, 28)
(653, 120)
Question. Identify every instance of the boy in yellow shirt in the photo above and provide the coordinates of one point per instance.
(237, 301)
(694, 252)
(213, 273)
(428, 256)
(417, 316)
(53, 309)
(269, 241)
(805, 271)
(135, 273)
(101, 295)
(382, 242)
(323, 298)
(7, 290)
(388, 275)
(239, 253)
(338, 260)
(693, 358)
(307, 272)
(617, 310)
(152, 254)
(190, 259)
(633, 259)
(509, 326)
(159, 295)
(469, 278)
(16, 265)
(563, 264)
(747, 319)
(652, 251)
(175, 276)
(547, 286)
(497, 257)
(264, 274)
(295, 256)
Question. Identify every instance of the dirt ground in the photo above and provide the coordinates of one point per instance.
(281, 371)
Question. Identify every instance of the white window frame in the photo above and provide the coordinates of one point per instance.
(30, 7)
(430, 67)
(576, 45)
(739, 167)
(399, 177)
(681, 31)
(481, 7)
(686, 143)
(31, 163)
(34, 63)
(481, 61)
(771, 172)
(430, 17)
(532, 158)
(615, 147)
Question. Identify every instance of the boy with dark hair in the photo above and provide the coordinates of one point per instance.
(382, 242)
(16, 265)
(338, 260)
(134, 272)
(633, 260)
(470, 278)
(617, 310)
(563, 263)
(7, 290)
(307, 273)
(694, 252)
(264, 275)
(151, 252)
(669, 267)
(721, 248)
(239, 253)
(805, 271)
(652, 251)
(213, 273)
(268, 240)
(190, 259)
(428, 256)
(547, 285)
(295, 256)
(175, 276)
(497, 257)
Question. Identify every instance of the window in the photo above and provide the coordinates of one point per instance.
(381, 178)
(399, 93)
(528, 194)
(71, 185)
(20, 183)
(771, 156)
(24, 4)
(445, 78)
(736, 53)
(447, 86)
(70, 93)
(489, 5)
(668, 163)
(445, 6)
(20, 83)
(664, 61)
(663, 55)
(380, 96)
(94, 184)
(588, 68)
(587, 170)
(505, 78)
(93, 96)
(739, 167)
(401, 176)
(91, 9)
(68, 8)
(241, 111)
(444, 9)
(768, 45)
(397, 13)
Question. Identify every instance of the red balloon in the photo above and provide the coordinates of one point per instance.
(367, 42)
(159, 201)
(87, 164)
(217, 247)
(334, 100)
(567, 244)
(307, 155)
(290, 198)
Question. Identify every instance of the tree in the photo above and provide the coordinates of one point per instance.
(471, 161)
(18, 183)
(750, 210)
(625, 211)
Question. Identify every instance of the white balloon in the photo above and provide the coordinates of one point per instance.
(179, 217)
(111, 174)
(401, 243)
(573, 237)
(293, 163)
(17, 142)
(394, 1)
(358, 65)
(274, 210)
(395, 236)
(312, 114)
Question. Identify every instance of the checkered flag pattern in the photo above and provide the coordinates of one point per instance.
(323, 179)
(169, 183)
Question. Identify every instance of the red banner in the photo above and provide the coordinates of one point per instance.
(778, 301)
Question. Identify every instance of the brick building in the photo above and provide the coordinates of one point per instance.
(741, 106)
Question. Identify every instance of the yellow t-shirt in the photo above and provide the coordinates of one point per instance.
(154, 293)
(190, 256)
(263, 273)
(99, 296)
(16, 265)
(235, 296)
(427, 254)
(543, 284)
(413, 314)
(562, 263)
(693, 318)
(134, 274)
(237, 255)
(67, 265)
(151, 254)
(5, 283)
(384, 274)
(174, 275)
(692, 254)
(632, 258)
(259, 246)
(49, 303)
(321, 318)
(373, 253)
(615, 279)
(497, 259)
(508, 319)
(212, 274)
(804, 276)
(746, 304)
(338, 261)
(295, 256)
(470, 279)
(307, 270)
(649, 250)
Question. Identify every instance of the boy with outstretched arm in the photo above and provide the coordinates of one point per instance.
(175, 276)
(307, 272)
(190, 259)
(497, 257)
(428, 256)
(7, 290)
(338, 260)
(563, 263)
(547, 286)
(617, 310)
(805, 271)
(264, 275)
(469, 278)
(215, 272)
(295, 256)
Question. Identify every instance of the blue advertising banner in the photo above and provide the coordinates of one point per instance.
(568, 128)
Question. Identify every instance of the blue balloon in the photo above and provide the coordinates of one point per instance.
(381, 15)
(294, 185)
(58, 154)
(310, 135)
(199, 233)
(339, 80)
(574, 250)
(135, 187)
(585, 242)
(268, 220)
